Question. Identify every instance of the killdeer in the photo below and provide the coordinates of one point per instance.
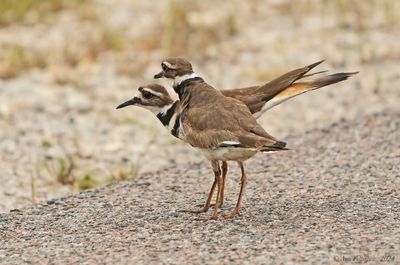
(222, 128)
(257, 98)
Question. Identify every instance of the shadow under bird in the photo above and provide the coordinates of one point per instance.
(257, 100)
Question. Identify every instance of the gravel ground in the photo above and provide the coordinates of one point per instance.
(334, 200)
(66, 107)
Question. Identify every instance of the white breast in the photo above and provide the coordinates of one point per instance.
(228, 153)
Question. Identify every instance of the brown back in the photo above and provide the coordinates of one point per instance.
(211, 118)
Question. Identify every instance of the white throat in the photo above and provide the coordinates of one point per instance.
(153, 109)
(158, 110)
(179, 79)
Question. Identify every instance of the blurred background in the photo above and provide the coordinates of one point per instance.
(66, 64)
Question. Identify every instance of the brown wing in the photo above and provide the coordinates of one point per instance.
(256, 96)
(212, 118)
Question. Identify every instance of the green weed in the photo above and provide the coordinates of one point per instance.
(87, 182)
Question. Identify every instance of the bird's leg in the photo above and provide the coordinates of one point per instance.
(208, 202)
(224, 171)
(218, 179)
(236, 211)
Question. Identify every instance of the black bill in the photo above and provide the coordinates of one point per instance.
(129, 102)
(159, 75)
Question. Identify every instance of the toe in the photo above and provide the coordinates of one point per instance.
(232, 214)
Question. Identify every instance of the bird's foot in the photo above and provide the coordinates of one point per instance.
(201, 210)
(232, 214)
(207, 218)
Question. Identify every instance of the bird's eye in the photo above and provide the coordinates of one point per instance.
(164, 67)
(147, 94)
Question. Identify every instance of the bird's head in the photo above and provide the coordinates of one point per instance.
(173, 68)
(153, 97)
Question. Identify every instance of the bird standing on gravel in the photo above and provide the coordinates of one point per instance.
(257, 98)
(222, 128)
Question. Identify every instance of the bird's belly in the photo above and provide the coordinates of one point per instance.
(228, 153)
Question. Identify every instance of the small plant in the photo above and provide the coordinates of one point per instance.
(62, 170)
(87, 182)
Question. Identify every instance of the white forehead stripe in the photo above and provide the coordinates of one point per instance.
(153, 92)
(170, 66)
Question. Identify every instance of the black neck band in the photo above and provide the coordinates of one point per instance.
(179, 89)
(166, 117)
